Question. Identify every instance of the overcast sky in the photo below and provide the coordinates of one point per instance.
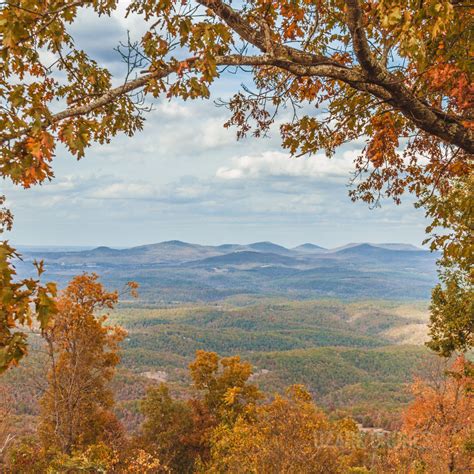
(186, 177)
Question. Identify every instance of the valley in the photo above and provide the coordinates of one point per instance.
(179, 272)
(348, 323)
(356, 358)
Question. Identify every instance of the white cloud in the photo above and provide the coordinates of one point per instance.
(278, 164)
(180, 192)
(173, 109)
(124, 191)
(192, 132)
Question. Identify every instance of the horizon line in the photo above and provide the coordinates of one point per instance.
(123, 247)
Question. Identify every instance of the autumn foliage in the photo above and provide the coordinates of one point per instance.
(83, 354)
(223, 422)
(289, 434)
(394, 74)
(438, 427)
(372, 67)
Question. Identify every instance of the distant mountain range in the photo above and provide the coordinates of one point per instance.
(178, 251)
(181, 271)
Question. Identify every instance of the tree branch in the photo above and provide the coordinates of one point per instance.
(426, 118)
(322, 70)
(372, 77)
(104, 99)
(258, 38)
(359, 40)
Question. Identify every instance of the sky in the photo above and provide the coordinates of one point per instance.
(186, 177)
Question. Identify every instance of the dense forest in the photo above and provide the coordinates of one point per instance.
(95, 397)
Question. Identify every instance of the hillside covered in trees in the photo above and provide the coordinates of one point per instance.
(178, 271)
(331, 373)
(345, 401)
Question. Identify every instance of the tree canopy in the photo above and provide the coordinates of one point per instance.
(388, 71)
(82, 353)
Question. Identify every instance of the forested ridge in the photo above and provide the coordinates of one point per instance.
(157, 416)
(181, 271)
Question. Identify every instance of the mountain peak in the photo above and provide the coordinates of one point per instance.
(104, 249)
(268, 247)
(177, 243)
(308, 247)
(359, 248)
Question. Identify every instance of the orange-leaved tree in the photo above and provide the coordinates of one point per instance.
(438, 426)
(224, 383)
(83, 354)
(288, 435)
(388, 71)
(179, 431)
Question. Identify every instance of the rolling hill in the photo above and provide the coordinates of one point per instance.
(175, 271)
(309, 248)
